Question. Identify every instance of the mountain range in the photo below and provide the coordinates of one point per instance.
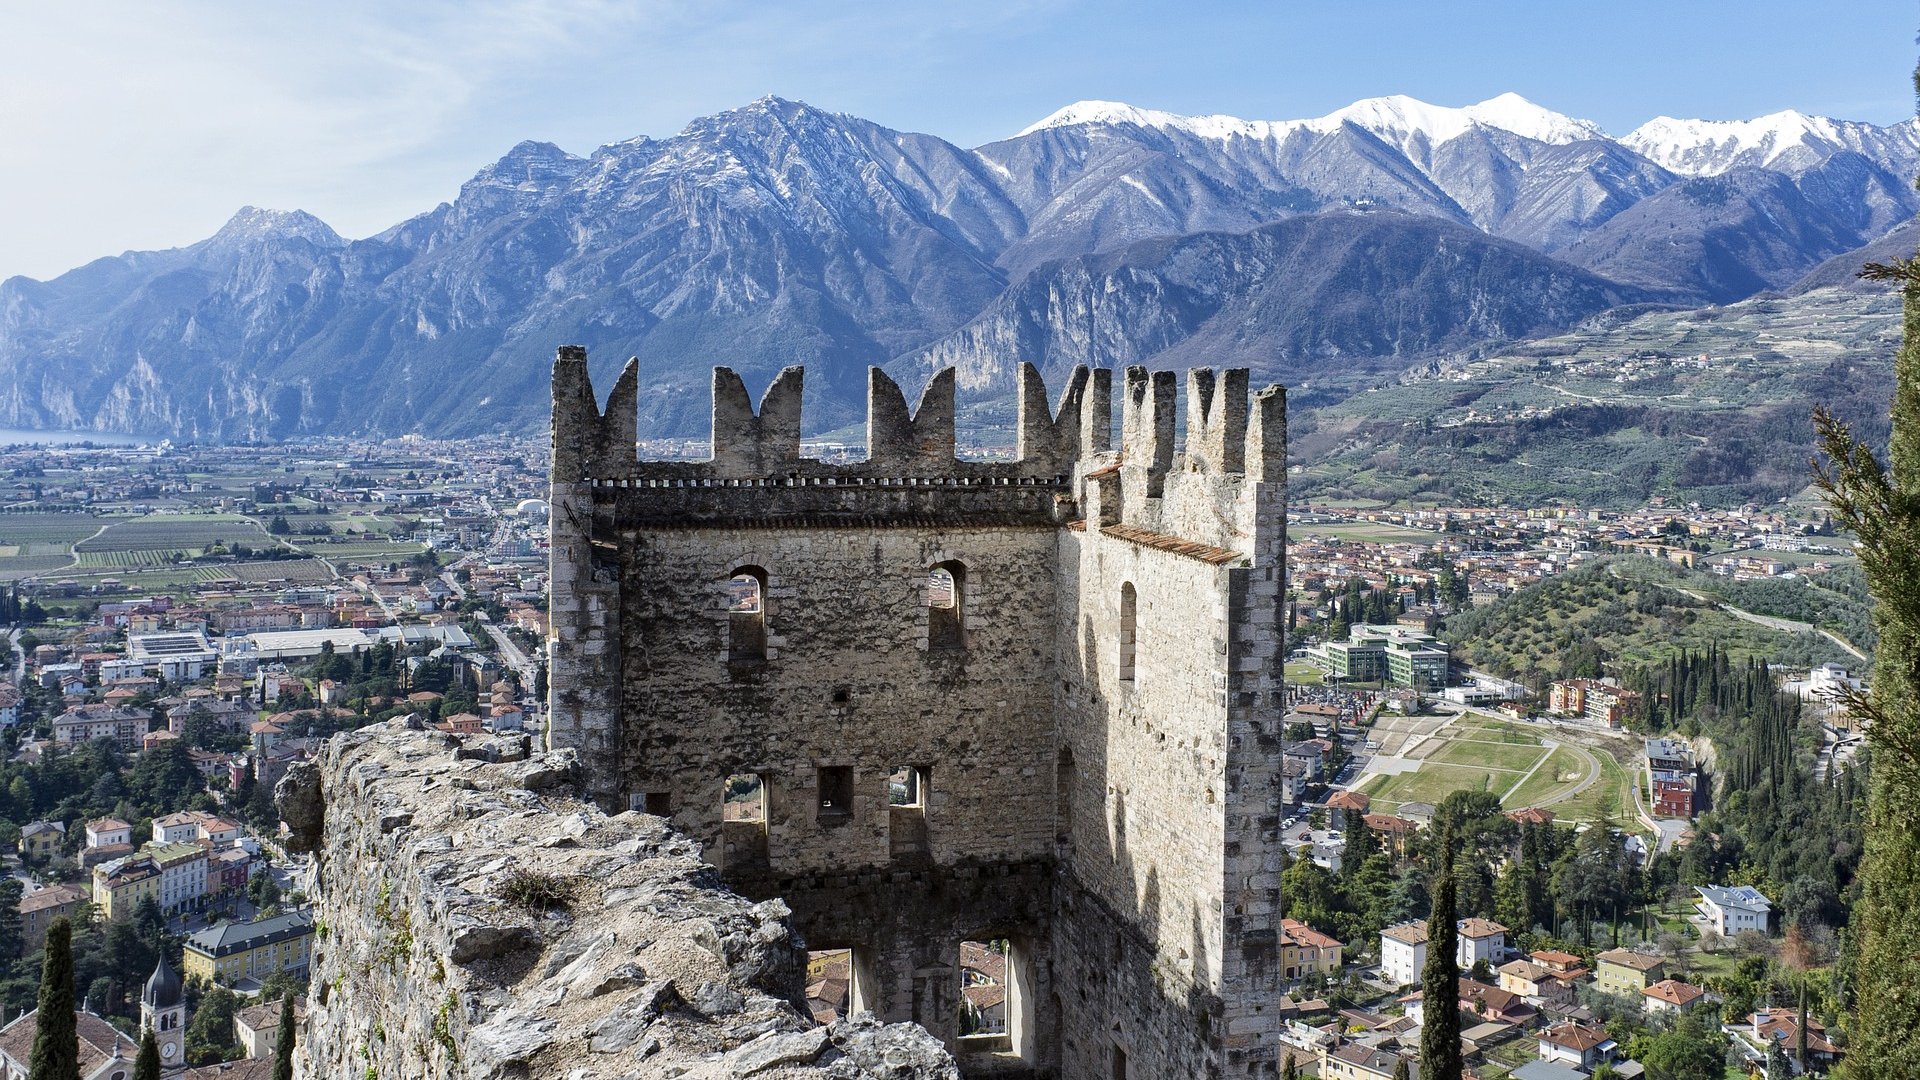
(778, 233)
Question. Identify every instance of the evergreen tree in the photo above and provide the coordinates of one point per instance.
(10, 889)
(1400, 1071)
(1290, 1071)
(1881, 506)
(1440, 983)
(283, 1041)
(56, 1043)
(147, 1065)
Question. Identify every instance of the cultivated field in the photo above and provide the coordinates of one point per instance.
(36, 543)
(293, 571)
(186, 533)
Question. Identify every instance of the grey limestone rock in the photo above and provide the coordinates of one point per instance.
(646, 966)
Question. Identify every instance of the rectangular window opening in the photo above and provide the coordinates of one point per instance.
(743, 824)
(996, 1000)
(907, 787)
(833, 985)
(836, 791)
(657, 803)
(745, 799)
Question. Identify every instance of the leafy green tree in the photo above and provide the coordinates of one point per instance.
(1881, 506)
(210, 1033)
(263, 890)
(56, 1043)
(1692, 1049)
(165, 780)
(1440, 1057)
(1400, 1071)
(283, 1042)
(147, 1065)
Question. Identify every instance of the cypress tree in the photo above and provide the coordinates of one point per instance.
(1440, 980)
(1881, 505)
(1800, 1028)
(147, 1065)
(1400, 1069)
(56, 1043)
(1290, 1071)
(283, 1041)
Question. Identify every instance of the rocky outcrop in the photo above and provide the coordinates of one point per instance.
(477, 920)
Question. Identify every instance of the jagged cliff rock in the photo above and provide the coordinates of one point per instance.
(476, 920)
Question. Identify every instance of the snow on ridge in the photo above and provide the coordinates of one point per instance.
(1707, 147)
(1115, 113)
(1397, 115)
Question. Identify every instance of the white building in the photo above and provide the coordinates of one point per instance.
(181, 828)
(107, 830)
(183, 873)
(1480, 939)
(1403, 952)
(178, 656)
(123, 668)
(1731, 910)
(1830, 682)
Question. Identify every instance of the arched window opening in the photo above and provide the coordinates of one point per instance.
(747, 616)
(946, 606)
(1128, 604)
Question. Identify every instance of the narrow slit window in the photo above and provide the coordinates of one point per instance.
(836, 791)
(946, 606)
(747, 616)
(1128, 630)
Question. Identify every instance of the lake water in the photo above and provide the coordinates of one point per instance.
(17, 437)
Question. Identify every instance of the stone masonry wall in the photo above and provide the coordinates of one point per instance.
(1119, 828)
(478, 919)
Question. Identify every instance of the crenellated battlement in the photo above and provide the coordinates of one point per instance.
(761, 447)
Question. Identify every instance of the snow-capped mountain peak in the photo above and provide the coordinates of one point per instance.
(1709, 147)
(1398, 118)
(1119, 113)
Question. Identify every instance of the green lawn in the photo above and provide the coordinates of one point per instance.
(1547, 779)
(1434, 782)
(1304, 674)
(1611, 796)
(1489, 755)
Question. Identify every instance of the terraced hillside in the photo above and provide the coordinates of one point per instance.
(1710, 405)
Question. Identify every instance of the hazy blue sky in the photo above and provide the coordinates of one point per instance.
(142, 125)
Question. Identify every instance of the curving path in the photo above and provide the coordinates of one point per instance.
(1579, 786)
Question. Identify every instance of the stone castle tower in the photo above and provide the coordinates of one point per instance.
(928, 701)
